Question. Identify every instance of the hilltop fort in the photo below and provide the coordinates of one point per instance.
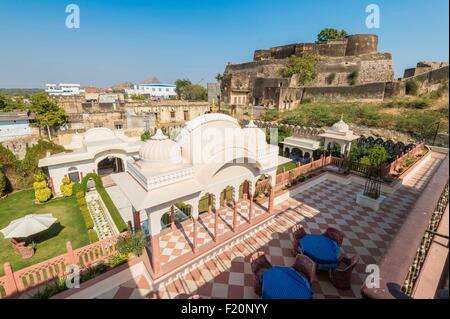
(349, 69)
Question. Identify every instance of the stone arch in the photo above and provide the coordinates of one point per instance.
(204, 202)
(227, 195)
(245, 190)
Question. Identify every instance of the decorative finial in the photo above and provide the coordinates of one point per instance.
(342, 116)
(213, 106)
(157, 122)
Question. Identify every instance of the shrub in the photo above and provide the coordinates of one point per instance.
(66, 187)
(330, 78)
(301, 178)
(353, 77)
(92, 234)
(2, 183)
(304, 66)
(412, 87)
(376, 156)
(85, 211)
(306, 100)
(145, 136)
(131, 243)
(77, 188)
(41, 190)
(117, 259)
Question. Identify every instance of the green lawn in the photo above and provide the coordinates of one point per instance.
(287, 166)
(50, 243)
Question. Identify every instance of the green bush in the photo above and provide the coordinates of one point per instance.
(117, 259)
(353, 77)
(66, 187)
(89, 223)
(131, 243)
(304, 66)
(330, 78)
(41, 190)
(412, 87)
(376, 156)
(92, 234)
(301, 178)
(145, 136)
(2, 183)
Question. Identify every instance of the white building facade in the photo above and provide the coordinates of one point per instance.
(98, 150)
(15, 124)
(165, 91)
(63, 89)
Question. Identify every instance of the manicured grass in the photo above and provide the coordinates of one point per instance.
(287, 166)
(49, 243)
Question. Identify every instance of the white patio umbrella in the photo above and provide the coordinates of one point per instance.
(28, 225)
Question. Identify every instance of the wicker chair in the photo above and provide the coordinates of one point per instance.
(335, 235)
(305, 266)
(342, 275)
(259, 264)
(297, 233)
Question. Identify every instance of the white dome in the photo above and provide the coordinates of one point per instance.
(340, 126)
(159, 149)
(254, 135)
(98, 134)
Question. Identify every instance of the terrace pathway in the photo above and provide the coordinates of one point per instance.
(227, 273)
(367, 233)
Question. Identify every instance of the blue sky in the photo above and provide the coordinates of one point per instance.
(132, 40)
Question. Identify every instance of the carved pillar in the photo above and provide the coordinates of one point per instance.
(137, 221)
(234, 215)
(172, 217)
(250, 210)
(194, 239)
(270, 204)
(155, 253)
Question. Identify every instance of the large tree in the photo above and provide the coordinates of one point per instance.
(304, 66)
(48, 113)
(331, 34)
(188, 91)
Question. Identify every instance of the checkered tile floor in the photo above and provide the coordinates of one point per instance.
(178, 242)
(367, 233)
(227, 274)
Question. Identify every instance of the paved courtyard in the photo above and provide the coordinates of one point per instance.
(227, 274)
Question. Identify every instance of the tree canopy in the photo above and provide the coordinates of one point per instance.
(8, 104)
(331, 34)
(48, 113)
(186, 90)
(304, 66)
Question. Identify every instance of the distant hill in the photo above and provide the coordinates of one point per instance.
(19, 91)
(151, 80)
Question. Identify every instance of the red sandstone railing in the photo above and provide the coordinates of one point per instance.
(13, 283)
(393, 167)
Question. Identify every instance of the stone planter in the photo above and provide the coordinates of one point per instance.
(369, 202)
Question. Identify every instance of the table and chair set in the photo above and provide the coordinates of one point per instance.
(313, 252)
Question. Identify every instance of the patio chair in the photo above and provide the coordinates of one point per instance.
(297, 233)
(259, 264)
(305, 266)
(16, 244)
(25, 251)
(335, 235)
(342, 275)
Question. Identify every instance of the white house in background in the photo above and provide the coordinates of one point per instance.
(98, 150)
(15, 124)
(159, 90)
(63, 89)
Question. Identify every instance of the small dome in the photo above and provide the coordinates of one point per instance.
(159, 149)
(254, 135)
(340, 126)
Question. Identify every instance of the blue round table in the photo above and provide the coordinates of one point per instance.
(324, 251)
(285, 283)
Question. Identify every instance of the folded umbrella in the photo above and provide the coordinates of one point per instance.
(28, 225)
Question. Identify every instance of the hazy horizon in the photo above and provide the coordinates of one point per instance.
(131, 41)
